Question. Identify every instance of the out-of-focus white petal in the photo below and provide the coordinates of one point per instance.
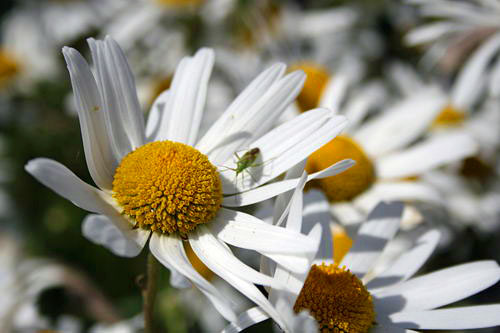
(432, 153)
(471, 78)
(401, 124)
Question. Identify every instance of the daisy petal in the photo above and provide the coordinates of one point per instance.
(170, 252)
(430, 154)
(100, 230)
(248, 232)
(268, 191)
(246, 319)
(219, 258)
(156, 114)
(460, 318)
(373, 235)
(469, 81)
(429, 291)
(430, 32)
(124, 119)
(406, 121)
(284, 146)
(101, 160)
(409, 262)
(212, 139)
(256, 117)
(187, 99)
(403, 190)
(62, 181)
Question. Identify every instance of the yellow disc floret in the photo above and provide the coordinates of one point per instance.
(167, 187)
(450, 116)
(316, 80)
(348, 184)
(337, 299)
(9, 67)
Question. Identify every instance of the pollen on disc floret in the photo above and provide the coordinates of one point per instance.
(167, 187)
(348, 184)
(337, 299)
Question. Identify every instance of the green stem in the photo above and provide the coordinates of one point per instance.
(149, 293)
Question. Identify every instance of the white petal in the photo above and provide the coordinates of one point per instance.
(62, 181)
(409, 262)
(170, 252)
(391, 191)
(212, 139)
(187, 101)
(367, 98)
(459, 318)
(334, 92)
(373, 235)
(246, 319)
(248, 232)
(124, 119)
(100, 230)
(430, 154)
(439, 288)
(99, 154)
(431, 32)
(401, 124)
(156, 114)
(347, 214)
(254, 118)
(219, 258)
(284, 147)
(268, 191)
(216, 263)
(470, 80)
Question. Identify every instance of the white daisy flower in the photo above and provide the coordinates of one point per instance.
(390, 151)
(343, 296)
(159, 181)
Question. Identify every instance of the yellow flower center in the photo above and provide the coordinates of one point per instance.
(337, 299)
(317, 78)
(348, 184)
(179, 3)
(167, 187)
(449, 117)
(9, 67)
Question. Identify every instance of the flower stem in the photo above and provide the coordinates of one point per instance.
(149, 293)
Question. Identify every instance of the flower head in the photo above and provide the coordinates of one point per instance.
(160, 182)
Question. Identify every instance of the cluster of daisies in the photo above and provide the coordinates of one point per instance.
(290, 174)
